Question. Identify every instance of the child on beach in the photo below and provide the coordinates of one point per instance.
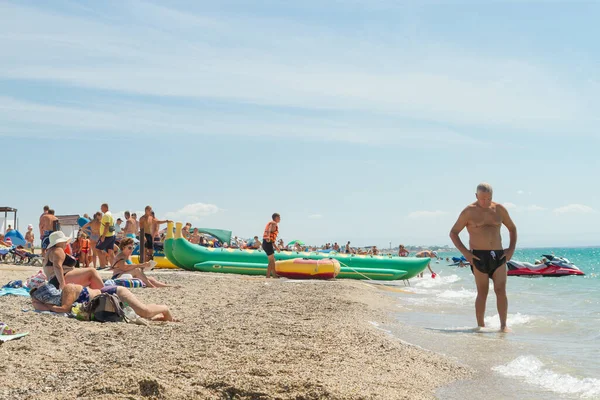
(29, 238)
(84, 250)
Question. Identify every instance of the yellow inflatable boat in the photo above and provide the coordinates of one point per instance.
(301, 268)
(161, 262)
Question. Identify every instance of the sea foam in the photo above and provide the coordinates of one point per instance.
(533, 371)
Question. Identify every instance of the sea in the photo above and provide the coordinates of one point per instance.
(553, 351)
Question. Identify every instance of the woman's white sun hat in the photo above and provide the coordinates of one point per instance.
(58, 237)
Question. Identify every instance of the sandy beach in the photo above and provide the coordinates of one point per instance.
(240, 338)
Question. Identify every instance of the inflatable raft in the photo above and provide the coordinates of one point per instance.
(161, 261)
(193, 257)
(301, 268)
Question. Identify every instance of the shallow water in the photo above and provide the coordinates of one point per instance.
(553, 351)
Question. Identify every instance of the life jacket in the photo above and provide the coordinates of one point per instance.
(85, 245)
(271, 236)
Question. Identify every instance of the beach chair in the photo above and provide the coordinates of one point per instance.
(23, 257)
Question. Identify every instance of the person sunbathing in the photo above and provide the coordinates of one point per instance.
(48, 298)
(59, 267)
(123, 265)
(3, 243)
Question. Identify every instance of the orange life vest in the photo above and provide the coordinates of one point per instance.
(85, 245)
(271, 236)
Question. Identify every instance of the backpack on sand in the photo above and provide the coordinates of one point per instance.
(105, 308)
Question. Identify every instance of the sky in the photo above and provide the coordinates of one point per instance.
(364, 120)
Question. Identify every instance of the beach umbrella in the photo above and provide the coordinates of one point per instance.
(293, 242)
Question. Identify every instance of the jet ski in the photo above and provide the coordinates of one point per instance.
(554, 266)
(459, 261)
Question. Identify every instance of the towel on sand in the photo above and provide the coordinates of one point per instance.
(16, 292)
(6, 338)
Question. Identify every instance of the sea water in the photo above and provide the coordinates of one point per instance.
(554, 349)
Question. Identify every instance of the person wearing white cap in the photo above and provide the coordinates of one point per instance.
(59, 267)
(29, 238)
(427, 254)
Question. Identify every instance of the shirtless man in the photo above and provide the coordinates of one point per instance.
(130, 226)
(150, 226)
(46, 208)
(185, 231)
(483, 220)
(137, 224)
(48, 224)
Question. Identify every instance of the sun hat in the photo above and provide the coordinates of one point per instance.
(58, 237)
(29, 226)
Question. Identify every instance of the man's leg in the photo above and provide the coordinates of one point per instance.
(271, 266)
(111, 257)
(499, 279)
(102, 257)
(483, 286)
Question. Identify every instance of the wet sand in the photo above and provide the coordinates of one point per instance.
(240, 338)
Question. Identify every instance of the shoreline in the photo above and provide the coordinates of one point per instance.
(241, 337)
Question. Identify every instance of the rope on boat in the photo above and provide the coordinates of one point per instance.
(347, 266)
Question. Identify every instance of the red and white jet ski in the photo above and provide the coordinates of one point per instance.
(555, 266)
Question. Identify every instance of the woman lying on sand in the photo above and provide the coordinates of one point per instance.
(59, 267)
(123, 265)
(48, 298)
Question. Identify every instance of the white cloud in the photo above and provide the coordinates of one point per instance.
(426, 214)
(510, 205)
(574, 209)
(429, 82)
(193, 212)
(315, 216)
(534, 207)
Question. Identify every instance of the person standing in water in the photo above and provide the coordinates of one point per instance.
(269, 243)
(483, 220)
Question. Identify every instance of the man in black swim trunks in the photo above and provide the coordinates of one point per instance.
(483, 220)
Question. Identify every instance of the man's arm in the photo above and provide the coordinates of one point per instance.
(512, 230)
(272, 228)
(461, 224)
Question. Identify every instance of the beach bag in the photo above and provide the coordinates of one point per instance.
(36, 280)
(104, 308)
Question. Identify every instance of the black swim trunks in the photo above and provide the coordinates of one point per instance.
(268, 247)
(489, 260)
(107, 244)
(149, 243)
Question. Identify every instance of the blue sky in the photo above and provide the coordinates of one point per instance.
(369, 121)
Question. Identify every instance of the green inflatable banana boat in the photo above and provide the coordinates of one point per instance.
(192, 257)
